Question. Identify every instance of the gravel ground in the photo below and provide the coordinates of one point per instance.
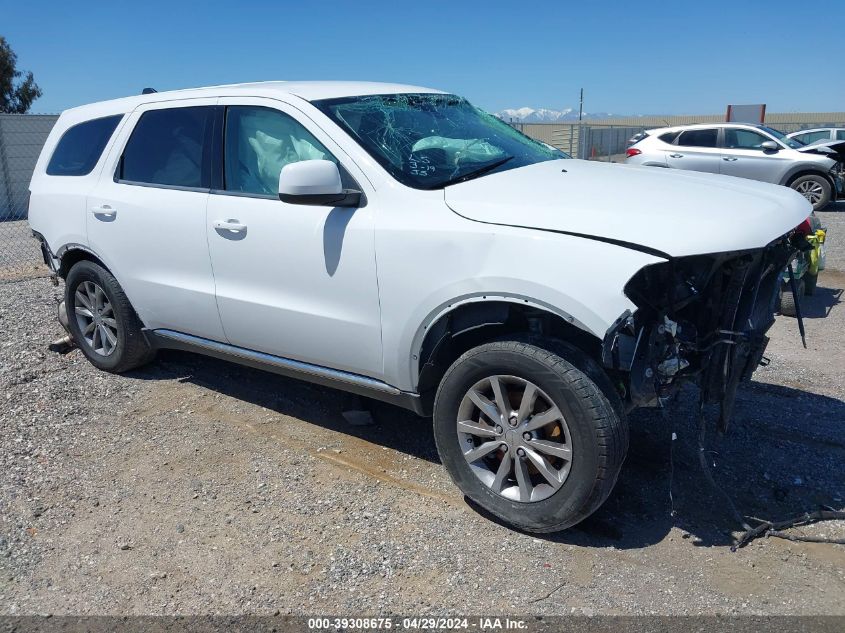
(195, 486)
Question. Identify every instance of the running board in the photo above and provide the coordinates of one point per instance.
(345, 381)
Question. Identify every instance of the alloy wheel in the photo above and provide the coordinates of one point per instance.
(514, 438)
(811, 190)
(95, 317)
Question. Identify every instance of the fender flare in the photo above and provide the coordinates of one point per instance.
(63, 251)
(808, 171)
(443, 310)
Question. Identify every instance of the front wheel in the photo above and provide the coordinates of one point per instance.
(529, 434)
(810, 283)
(788, 300)
(815, 188)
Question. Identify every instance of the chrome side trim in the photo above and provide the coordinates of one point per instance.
(287, 364)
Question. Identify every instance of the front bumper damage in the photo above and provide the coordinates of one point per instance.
(700, 319)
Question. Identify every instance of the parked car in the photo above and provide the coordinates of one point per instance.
(818, 135)
(748, 151)
(399, 243)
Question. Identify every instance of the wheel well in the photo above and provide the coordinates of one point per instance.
(810, 172)
(474, 324)
(73, 256)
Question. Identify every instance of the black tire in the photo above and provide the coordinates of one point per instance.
(810, 283)
(787, 301)
(811, 180)
(131, 349)
(589, 404)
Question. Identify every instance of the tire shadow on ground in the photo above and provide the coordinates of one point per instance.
(821, 302)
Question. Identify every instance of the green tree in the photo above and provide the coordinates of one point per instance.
(16, 94)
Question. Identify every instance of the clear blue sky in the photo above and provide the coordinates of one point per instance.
(634, 57)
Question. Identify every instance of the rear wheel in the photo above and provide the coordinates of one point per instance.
(101, 320)
(815, 188)
(528, 434)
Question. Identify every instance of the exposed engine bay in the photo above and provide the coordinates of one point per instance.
(701, 319)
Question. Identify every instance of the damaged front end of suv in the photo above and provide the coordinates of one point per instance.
(700, 319)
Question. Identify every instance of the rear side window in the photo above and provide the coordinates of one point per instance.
(698, 138)
(170, 147)
(840, 135)
(81, 146)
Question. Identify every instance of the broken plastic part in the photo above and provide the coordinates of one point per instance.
(672, 366)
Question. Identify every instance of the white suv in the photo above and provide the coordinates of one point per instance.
(399, 243)
(746, 151)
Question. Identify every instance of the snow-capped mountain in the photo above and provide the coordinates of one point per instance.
(545, 115)
(532, 115)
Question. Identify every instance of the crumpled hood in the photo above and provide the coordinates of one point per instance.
(836, 146)
(832, 149)
(672, 211)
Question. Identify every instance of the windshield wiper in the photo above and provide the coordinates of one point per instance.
(475, 173)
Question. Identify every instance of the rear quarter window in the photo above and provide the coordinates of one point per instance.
(81, 146)
(669, 137)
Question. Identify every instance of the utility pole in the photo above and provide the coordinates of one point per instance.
(580, 116)
(581, 106)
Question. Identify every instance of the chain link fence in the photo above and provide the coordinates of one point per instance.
(21, 139)
(608, 142)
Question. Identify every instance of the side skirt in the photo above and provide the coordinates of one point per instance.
(345, 381)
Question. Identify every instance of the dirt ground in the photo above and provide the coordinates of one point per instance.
(195, 486)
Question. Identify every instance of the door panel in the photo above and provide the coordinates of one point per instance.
(151, 235)
(292, 280)
(743, 156)
(696, 150)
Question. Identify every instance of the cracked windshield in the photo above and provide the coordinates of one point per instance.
(430, 141)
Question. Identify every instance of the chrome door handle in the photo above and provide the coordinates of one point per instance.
(729, 158)
(676, 155)
(229, 225)
(104, 212)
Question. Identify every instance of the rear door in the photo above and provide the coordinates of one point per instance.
(146, 216)
(696, 150)
(744, 156)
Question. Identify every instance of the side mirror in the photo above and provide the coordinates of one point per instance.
(769, 146)
(316, 183)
